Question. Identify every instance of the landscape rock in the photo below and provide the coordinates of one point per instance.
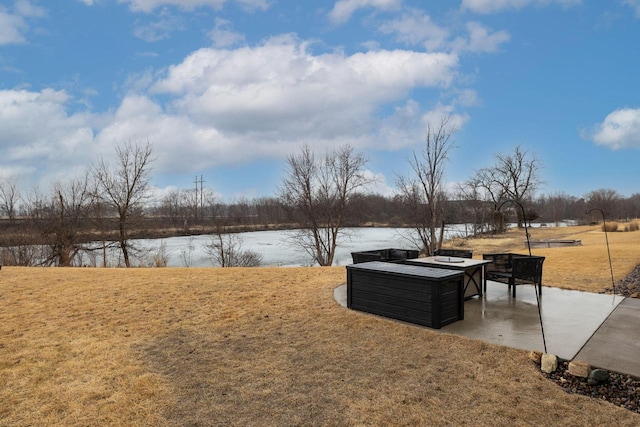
(578, 368)
(548, 363)
(535, 357)
(621, 390)
(598, 376)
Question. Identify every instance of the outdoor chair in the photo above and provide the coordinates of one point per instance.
(514, 269)
(500, 262)
(460, 253)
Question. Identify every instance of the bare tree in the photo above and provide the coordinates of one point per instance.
(632, 206)
(23, 244)
(474, 204)
(66, 213)
(556, 206)
(493, 194)
(269, 210)
(606, 199)
(319, 191)
(9, 196)
(171, 208)
(514, 177)
(125, 188)
(423, 192)
(226, 251)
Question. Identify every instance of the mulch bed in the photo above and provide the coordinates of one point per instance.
(622, 390)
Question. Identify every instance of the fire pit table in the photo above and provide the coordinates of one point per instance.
(426, 296)
(474, 270)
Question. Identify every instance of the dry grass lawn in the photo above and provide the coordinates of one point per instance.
(583, 268)
(268, 346)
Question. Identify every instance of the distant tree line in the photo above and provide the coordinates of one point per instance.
(82, 220)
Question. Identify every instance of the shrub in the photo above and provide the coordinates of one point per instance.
(160, 258)
(226, 251)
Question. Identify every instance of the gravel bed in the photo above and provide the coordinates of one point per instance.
(630, 285)
(622, 390)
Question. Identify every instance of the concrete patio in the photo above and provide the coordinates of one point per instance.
(597, 328)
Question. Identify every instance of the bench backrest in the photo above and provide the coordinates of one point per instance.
(527, 268)
(384, 255)
(460, 253)
(499, 262)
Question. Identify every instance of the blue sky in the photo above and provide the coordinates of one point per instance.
(227, 89)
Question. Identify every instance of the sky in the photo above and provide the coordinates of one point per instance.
(227, 89)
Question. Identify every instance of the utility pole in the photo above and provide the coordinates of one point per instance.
(201, 182)
(195, 213)
(201, 198)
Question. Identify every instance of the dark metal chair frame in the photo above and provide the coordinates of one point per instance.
(515, 269)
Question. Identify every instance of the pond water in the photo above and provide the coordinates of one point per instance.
(278, 249)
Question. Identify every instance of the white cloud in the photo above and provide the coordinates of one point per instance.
(378, 184)
(434, 117)
(490, 6)
(415, 27)
(38, 135)
(620, 129)
(279, 88)
(180, 144)
(400, 129)
(466, 98)
(634, 4)
(139, 82)
(160, 29)
(493, 6)
(236, 106)
(28, 10)
(229, 106)
(344, 9)
(480, 39)
(253, 5)
(148, 6)
(223, 35)
(12, 28)
(408, 122)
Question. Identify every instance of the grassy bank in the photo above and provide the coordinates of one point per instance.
(266, 346)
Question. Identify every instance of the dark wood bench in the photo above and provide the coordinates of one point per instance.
(515, 269)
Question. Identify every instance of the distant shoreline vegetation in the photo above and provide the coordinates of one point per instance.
(273, 246)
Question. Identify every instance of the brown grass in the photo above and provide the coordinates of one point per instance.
(583, 268)
(263, 346)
